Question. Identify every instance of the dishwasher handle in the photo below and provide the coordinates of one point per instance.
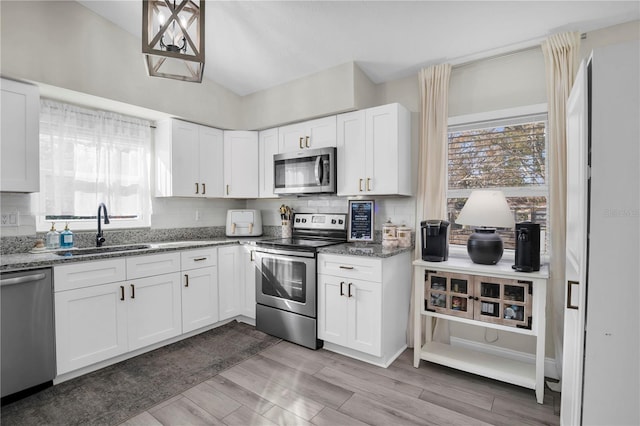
(22, 280)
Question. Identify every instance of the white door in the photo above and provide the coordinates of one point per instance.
(292, 137)
(20, 139)
(351, 153)
(91, 325)
(248, 298)
(199, 298)
(184, 159)
(268, 146)
(381, 176)
(241, 164)
(211, 162)
(228, 279)
(365, 316)
(332, 309)
(154, 311)
(576, 250)
(321, 132)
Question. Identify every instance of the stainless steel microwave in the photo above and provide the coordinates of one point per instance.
(309, 171)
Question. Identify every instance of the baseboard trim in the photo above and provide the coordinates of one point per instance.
(549, 363)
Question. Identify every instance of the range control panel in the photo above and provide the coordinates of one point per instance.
(320, 221)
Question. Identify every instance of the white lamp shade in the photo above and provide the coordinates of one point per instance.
(488, 209)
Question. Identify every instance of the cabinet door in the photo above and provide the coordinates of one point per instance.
(503, 301)
(241, 164)
(321, 132)
(450, 294)
(332, 309)
(381, 154)
(351, 153)
(291, 137)
(364, 316)
(268, 146)
(91, 325)
(211, 162)
(153, 309)
(199, 298)
(248, 296)
(228, 279)
(20, 141)
(185, 164)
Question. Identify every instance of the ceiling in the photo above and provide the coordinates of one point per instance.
(255, 45)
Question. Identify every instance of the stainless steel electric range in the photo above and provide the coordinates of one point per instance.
(286, 285)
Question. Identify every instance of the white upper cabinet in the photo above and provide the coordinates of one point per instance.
(20, 170)
(374, 151)
(241, 174)
(268, 146)
(189, 160)
(318, 133)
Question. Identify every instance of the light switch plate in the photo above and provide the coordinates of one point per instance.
(10, 219)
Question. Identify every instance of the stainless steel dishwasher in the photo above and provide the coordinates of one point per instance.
(28, 356)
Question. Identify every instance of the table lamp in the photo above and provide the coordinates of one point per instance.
(486, 210)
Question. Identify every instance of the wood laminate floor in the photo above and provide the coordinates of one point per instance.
(290, 385)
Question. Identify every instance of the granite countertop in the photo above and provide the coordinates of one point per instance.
(364, 249)
(24, 261)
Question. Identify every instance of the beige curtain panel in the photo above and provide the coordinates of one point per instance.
(561, 56)
(432, 166)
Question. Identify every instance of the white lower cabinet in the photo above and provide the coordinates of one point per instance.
(236, 280)
(199, 289)
(363, 305)
(96, 321)
(350, 313)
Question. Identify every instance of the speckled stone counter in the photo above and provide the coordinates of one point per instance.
(23, 261)
(364, 249)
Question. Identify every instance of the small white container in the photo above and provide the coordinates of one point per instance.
(286, 229)
(404, 236)
(390, 243)
(389, 230)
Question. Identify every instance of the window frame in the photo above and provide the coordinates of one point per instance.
(501, 116)
(143, 219)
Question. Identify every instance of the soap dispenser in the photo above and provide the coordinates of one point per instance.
(52, 239)
(66, 237)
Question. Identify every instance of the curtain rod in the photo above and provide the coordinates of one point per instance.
(500, 52)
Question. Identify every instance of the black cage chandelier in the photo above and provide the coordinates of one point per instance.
(173, 38)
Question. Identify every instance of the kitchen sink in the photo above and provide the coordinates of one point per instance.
(101, 250)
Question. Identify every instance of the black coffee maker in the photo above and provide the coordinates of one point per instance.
(527, 247)
(435, 240)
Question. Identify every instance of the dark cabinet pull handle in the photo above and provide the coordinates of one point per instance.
(349, 290)
(341, 290)
(197, 188)
(252, 258)
(133, 291)
(346, 267)
(204, 188)
(199, 259)
(186, 280)
(121, 292)
(301, 146)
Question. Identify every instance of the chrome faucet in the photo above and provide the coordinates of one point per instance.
(99, 237)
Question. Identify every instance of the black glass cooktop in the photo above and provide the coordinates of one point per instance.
(304, 243)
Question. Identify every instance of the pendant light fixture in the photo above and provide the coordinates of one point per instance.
(173, 38)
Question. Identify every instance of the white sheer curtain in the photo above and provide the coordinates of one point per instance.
(561, 55)
(88, 157)
(432, 166)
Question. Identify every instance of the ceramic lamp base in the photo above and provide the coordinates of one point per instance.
(485, 246)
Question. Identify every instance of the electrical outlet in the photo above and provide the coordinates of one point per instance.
(9, 219)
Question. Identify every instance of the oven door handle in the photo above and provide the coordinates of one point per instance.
(275, 253)
(318, 170)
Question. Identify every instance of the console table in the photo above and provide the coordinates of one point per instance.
(491, 296)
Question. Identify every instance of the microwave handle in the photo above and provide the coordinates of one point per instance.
(318, 170)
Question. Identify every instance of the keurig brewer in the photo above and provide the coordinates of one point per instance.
(435, 240)
(527, 247)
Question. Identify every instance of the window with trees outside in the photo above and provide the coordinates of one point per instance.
(507, 154)
(89, 157)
